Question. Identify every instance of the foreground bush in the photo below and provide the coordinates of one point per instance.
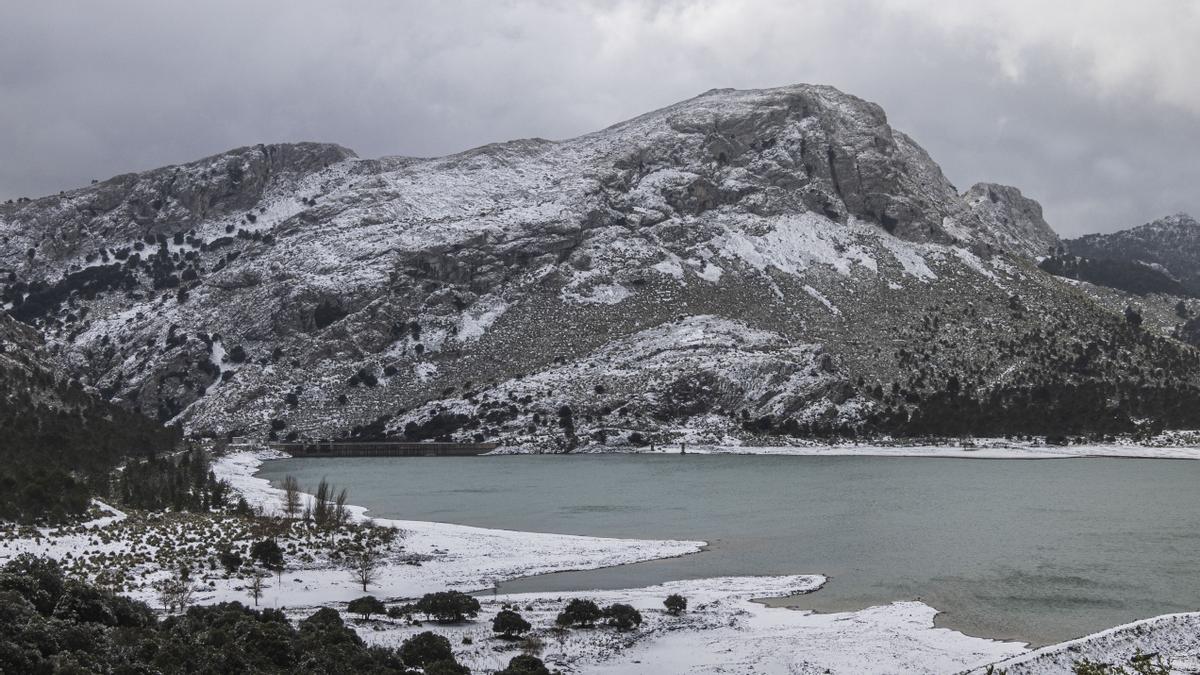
(675, 603)
(52, 624)
(525, 664)
(425, 649)
(509, 624)
(579, 612)
(622, 616)
(366, 606)
(448, 606)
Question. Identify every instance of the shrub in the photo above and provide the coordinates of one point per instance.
(579, 612)
(447, 667)
(92, 630)
(509, 624)
(525, 664)
(399, 611)
(267, 553)
(448, 606)
(675, 604)
(230, 561)
(366, 606)
(424, 649)
(622, 616)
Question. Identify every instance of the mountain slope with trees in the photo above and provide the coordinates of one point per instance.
(60, 441)
(1169, 246)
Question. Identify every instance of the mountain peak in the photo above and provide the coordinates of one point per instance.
(1011, 220)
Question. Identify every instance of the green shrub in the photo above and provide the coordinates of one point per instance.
(448, 606)
(579, 612)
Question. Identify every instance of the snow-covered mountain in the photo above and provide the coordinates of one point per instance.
(1170, 245)
(736, 266)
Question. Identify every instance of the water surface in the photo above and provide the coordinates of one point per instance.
(1036, 550)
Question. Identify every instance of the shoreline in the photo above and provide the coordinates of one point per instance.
(997, 451)
(478, 558)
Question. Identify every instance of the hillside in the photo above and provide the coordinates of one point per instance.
(60, 441)
(743, 265)
(1169, 246)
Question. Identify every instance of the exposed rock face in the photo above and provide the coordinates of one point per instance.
(1170, 244)
(1011, 221)
(741, 264)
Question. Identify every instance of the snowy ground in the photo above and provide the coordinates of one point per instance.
(723, 631)
(1173, 637)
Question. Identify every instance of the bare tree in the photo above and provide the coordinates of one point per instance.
(320, 508)
(340, 515)
(291, 496)
(173, 593)
(363, 563)
(258, 583)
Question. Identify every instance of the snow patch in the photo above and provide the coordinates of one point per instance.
(604, 294)
(473, 324)
(425, 371)
(823, 300)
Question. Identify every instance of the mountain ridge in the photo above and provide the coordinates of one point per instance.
(838, 281)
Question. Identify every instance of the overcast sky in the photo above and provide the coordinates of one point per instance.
(1093, 108)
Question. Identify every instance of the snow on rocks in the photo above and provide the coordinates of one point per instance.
(1173, 637)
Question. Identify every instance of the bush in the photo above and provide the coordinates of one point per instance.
(267, 553)
(230, 561)
(49, 624)
(448, 606)
(525, 664)
(675, 603)
(366, 606)
(447, 667)
(509, 624)
(424, 649)
(399, 611)
(622, 616)
(579, 612)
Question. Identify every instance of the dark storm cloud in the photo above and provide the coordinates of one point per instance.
(1094, 112)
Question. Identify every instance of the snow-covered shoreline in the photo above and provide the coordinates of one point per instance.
(468, 558)
(723, 631)
(982, 448)
(959, 452)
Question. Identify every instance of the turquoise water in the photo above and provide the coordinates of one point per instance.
(1039, 551)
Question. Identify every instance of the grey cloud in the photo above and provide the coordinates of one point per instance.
(88, 90)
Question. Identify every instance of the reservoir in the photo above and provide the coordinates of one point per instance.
(1034, 550)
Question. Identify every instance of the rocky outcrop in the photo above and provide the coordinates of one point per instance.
(1011, 221)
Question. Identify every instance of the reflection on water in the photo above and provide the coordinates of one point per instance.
(1034, 550)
